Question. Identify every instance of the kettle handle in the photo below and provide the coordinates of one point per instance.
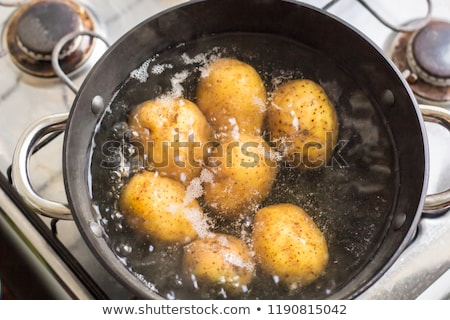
(20, 167)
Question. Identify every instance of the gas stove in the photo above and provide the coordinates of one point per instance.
(50, 258)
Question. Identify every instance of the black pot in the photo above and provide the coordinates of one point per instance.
(379, 178)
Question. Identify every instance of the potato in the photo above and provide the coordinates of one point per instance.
(243, 173)
(288, 245)
(303, 121)
(173, 133)
(158, 206)
(232, 96)
(218, 262)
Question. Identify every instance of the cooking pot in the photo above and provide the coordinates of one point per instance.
(368, 201)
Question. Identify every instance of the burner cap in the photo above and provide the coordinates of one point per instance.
(428, 53)
(424, 59)
(35, 29)
(42, 25)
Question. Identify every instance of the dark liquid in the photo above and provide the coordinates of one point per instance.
(350, 200)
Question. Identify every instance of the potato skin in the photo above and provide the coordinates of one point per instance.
(219, 261)
(302, 117)
(156, 205)
(242, 177)
(289, 245)
(232, 93)
(179, 124)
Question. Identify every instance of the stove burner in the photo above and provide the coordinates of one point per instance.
(424, 59)
(35, 29)
(428, 53)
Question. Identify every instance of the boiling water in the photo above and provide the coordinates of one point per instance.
(350, 200)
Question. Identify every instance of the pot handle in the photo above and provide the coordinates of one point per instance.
(58, 48)
(436, 203)
(20, 167)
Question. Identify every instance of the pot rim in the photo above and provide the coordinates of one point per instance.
(78, 138)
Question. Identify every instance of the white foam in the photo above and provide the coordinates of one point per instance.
(195, 188)
(194, 215)
(202, 58)
(141, 73)
(177, 84)
(160, 68)
(235, 131)
(193, 191)
(223, 241)
(260, 103)
(237, 261)
(276, 156)
(198, 221)
(199, 58)
(206, 175)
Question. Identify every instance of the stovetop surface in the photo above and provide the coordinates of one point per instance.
(24, 99)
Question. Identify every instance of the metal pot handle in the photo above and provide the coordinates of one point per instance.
(31, 137)
(20, 164)
(436, 203)
(57, 50)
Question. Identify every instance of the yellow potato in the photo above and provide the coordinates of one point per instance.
(173, 133)
(159, 206)
(303, 121)
(232, 96)
(243, 173)
(218, 262)
(288, 245)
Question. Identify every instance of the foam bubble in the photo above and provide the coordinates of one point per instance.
(160, 68)
(235, 131)
(193, 191)
(260, 103)
(141, 73)
(198, 221)
(206, 175)
(237, 261)
(176, 82)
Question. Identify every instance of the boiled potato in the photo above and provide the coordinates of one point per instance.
(158, 206)
(243, 172)
(303, 121)
(173, 132)
(218, 262)
(232, 96)
(288, 245)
